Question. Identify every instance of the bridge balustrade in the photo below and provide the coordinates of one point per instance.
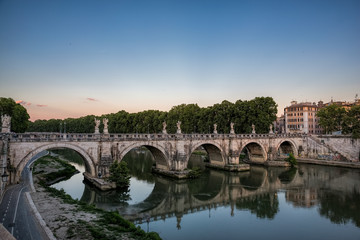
(29, 137)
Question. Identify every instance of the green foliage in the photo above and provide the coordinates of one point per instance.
(331, 118)
(292, 160)
(351, 122)
(69, 154)
(120, 174)
(335, 118)
(67, 170)
(260, 111)
(18, 114)
(195, 172)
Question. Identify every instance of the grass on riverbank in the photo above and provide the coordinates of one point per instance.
(60, 169)
(108, 225)
(103, 224)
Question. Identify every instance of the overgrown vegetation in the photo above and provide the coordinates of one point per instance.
(292, 160)
(108, 225)
(120, 174)
(195, 172)
(62, 169)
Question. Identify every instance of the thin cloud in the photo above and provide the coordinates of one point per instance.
(41, 105)
(21, 102)
(92, 99)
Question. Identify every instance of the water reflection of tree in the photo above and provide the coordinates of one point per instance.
(140, 162)
(253, 179)
(207, 186)
(340, 209)
(120, 197)
(264, 206)
(69, 154)
(288, 175)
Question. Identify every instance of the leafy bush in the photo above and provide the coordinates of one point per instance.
(120, 174)
(292, 160)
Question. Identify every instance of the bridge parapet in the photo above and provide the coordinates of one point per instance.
(49, 137)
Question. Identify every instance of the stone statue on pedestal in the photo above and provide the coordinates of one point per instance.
(5, 123)
(232, 131)
(271, 129)
(164, 128)
(178, 124)
(105, 122)
(215, 128)
(253, 129)
(97, 124)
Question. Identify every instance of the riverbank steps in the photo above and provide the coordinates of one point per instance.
(68, 218)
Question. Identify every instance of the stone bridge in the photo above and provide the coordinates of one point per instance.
(171, 152)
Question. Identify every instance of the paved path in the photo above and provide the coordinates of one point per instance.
(16, 214)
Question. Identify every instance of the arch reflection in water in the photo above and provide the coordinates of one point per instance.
(261, 192)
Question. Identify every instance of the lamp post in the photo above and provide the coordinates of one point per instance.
(4, 177)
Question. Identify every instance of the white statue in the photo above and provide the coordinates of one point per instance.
(271, 129)
(164, 128)
(105, 122)
(253, 128)
(97, 124)
(232, 131)
(6, 122)
(178, 124)
(215, 128)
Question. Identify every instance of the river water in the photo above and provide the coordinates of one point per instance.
(311, 202)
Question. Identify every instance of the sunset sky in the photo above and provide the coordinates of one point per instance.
(66, 58)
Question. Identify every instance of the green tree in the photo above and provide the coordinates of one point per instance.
(18, 114)
(331, 118)
(351, 123)
(120, 174)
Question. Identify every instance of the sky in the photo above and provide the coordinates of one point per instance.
(66, 58)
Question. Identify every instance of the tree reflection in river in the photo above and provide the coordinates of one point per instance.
(272, 195)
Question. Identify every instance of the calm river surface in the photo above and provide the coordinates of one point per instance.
(311, 202)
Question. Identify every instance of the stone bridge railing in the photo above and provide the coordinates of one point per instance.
(45, 137)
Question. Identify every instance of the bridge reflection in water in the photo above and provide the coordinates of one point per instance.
(255, 191)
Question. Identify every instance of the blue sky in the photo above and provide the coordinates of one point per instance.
(73, 58)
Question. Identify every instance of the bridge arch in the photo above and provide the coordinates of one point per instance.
(285, 147)
(256, 152)
(213, 150)
(158, 152)
(89, 162)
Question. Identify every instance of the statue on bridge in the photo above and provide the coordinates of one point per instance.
(271, 129)
(164, 128)
(105, 122)
(215, 128)
(253, 129)
(232, 131)
(178, 124)
(97, 124)
(6, 122)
